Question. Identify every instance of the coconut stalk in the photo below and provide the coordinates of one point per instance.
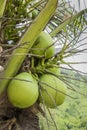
(27, 41)
(2, 8)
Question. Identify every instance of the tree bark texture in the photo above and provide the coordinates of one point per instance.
(16, 119)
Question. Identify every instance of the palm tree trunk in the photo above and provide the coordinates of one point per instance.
(17, 119)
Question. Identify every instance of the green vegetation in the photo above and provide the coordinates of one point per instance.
(72, 114)
(27, 48)
(54, 70)
(43, 46)
(23, 90)
(53, 91)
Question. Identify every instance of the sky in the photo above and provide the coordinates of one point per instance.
(83, 56)
(76, 3)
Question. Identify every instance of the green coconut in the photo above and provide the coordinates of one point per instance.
(53, 91)
(22, 91)
(54, 70)
(44, 45)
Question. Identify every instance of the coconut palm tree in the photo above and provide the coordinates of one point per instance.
(21, 22)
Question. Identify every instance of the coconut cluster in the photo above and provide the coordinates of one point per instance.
(24, 90)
